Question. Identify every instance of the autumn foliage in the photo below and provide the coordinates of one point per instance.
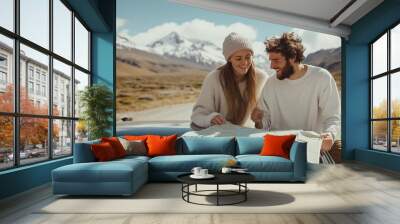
(33, 130)
(380, 127)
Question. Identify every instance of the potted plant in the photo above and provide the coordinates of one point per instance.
(96, 102)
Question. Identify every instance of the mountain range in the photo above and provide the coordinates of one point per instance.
(197, 51)
(208, 55)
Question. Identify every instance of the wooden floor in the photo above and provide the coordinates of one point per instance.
(378, 188)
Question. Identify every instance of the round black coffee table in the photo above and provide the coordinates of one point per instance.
(238, 179)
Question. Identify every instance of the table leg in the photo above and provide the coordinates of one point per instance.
(245, 191)
(217, 194)
(196, 188)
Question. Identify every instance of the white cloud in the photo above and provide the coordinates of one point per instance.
(314, 41)
(120, 23)
(194, 29)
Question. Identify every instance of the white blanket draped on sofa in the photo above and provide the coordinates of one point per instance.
(227, 130)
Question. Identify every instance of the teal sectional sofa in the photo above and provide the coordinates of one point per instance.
(125, 176)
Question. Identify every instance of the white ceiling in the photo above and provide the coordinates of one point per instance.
(314, 15)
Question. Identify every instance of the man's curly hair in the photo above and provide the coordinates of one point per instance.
(289, 45)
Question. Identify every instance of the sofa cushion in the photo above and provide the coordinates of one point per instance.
(116, 145)
(185, 163)
(277, 145)
(249, 145)
(103, 152)
(112, 171)
(197, 145)
(161, 145)
(257, 163)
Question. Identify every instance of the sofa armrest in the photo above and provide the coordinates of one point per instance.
(298, 155)
(83, 152)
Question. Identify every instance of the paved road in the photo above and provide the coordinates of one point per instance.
(174, 115)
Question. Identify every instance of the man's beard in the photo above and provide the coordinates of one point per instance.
(286, 72)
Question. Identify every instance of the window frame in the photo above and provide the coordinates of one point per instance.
(16, 114)
(388, 74)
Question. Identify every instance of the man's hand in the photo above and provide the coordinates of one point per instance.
(217, 120)
(256, 116)
(327, 142)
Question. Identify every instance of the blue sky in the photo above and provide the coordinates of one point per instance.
(135, 17)
(145, 14)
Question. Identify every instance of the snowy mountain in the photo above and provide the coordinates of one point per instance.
(124, 42)
(198, 51)
(194, 50)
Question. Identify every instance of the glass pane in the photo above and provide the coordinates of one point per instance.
(33, 139)
(62, 138)
(34, 97)
(81, 45)
(395, 47)
(6, 142)
(62, 89)
(395, 138)
(81, 131)
(7, 14)
(35, 21)
(395, 94)
(379, 135)
(379, 55)
(81, 81)
(379, 98)
(6, 74)
(62, 29)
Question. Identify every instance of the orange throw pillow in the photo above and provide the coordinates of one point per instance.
(161, 145)
(277, 145)
(135, 137)
(116, 145)
(103, 151)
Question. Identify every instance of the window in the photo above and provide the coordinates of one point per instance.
(53, 125)
(30, 87)
(3, 71)
(81, 45)
(44, 91)
(6, 73)
(38, 89)
(7, 14)
(30, 72)
(385, 94)
(3, 78)
(37, 74)
(3, 61)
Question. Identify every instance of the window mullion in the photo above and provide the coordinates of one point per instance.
(50, 81)
(73, 82)
(16, 83)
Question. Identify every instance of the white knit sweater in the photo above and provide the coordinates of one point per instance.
(310, 103)
(212, 101)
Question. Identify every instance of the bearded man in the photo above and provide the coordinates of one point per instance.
(299, 96)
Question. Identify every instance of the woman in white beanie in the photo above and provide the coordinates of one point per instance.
(230, 92)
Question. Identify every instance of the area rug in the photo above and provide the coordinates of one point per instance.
(167, 198)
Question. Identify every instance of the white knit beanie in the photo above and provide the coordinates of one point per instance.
(234, 42)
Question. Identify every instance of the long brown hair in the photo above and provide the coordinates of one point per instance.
(238, 104)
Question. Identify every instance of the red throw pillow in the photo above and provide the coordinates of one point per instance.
(277, 145)
(116, 145)
(161, 145)
(103, 151)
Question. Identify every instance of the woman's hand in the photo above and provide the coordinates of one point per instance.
(218, 120)
(256, 115)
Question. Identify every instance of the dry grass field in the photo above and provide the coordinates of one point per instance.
(146, 81)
